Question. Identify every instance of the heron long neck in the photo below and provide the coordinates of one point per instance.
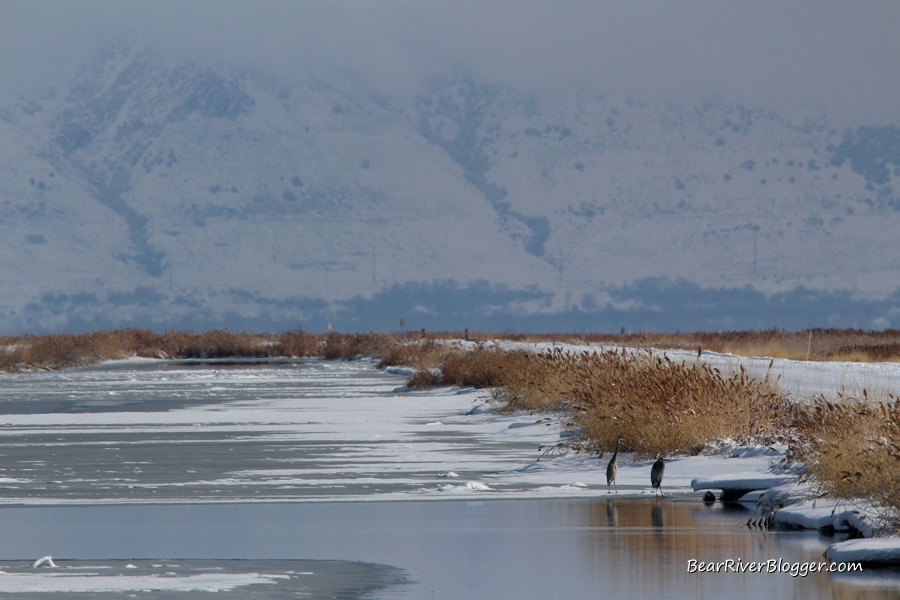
(616, 453)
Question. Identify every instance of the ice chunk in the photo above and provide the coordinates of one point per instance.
(43, 561)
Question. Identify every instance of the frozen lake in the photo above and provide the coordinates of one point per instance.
(238, 432)
(328, 479)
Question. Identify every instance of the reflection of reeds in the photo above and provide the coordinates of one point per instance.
(644, 560)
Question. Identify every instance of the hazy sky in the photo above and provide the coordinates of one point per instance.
(831, 53)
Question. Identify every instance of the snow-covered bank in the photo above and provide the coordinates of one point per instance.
(825, 514)
(801, 380)
(867, 551)
(737, 485)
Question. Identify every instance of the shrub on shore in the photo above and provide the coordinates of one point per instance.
(659, 406)
(60, 351)
(480, 367)
(852, 449)
(810, 344)
(355, 345)
(297, 344)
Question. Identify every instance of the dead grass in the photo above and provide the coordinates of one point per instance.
(852, 449)
(659, 406)
(481, 367)
(222, 344)
(60, 351)
(356, 345)
(56, 351)
(297, 344)
(816, 344)
(419, 353)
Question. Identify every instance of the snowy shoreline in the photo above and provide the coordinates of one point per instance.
(776, 493)
(383, 443)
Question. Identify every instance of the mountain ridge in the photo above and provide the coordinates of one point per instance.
(147, 191)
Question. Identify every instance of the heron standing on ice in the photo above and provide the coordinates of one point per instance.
(612, 468)
(656, 474)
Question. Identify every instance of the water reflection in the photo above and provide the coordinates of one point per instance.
(612, 514)
(462, 549)
(646, 546)
(657, 517)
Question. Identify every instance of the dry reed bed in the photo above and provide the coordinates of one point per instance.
(60, 351)
(851, 447)
(812, 344)
(658, 405)
(480, 367)
(57, 351)
(852, 450)
(30, 352)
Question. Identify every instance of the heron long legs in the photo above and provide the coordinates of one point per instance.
(612, 469)
(656, 474)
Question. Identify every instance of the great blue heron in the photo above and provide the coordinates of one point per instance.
(613, 467)
(656, 474)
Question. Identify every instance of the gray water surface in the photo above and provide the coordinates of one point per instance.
(496, 549)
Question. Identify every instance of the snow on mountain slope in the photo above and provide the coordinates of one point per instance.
(146, 191)
(738, 195)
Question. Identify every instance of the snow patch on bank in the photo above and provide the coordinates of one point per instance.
(876, 550)
(827, 514)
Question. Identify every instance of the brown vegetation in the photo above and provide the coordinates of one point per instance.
(60, 351)
(852, 449)
(480, 367)
(297, 344)
(812, 344)
(421, 351)
(659, 406)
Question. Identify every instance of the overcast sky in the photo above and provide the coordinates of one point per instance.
(832, 53)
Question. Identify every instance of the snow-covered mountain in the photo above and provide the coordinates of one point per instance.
(150, 192)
